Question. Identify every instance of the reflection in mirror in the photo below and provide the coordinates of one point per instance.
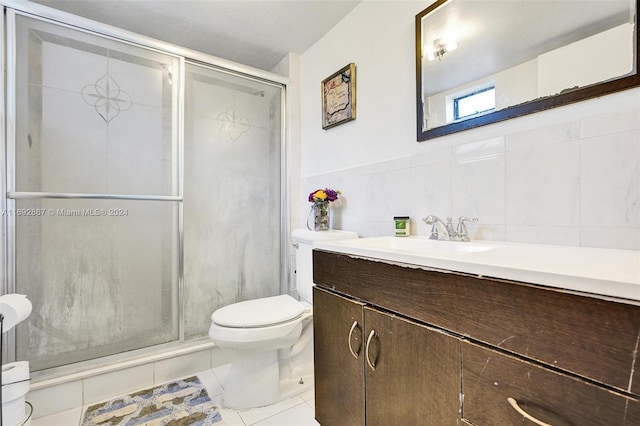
(483, 61)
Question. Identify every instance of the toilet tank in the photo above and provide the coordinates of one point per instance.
(303, 240)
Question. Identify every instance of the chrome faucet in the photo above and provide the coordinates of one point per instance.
(439, 229)
(461, 230)
(444, 231)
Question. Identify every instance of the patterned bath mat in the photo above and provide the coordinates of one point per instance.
(180, 403)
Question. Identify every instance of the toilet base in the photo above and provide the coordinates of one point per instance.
(253, 380)
(257, 379)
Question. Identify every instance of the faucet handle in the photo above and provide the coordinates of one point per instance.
(433, 221)
(461, 229)
(463, 219)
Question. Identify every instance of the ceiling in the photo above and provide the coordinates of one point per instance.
(258, 33)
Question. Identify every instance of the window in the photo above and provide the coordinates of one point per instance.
(474, 103)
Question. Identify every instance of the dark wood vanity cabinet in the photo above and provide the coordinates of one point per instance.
(453, 348)
(339, 376)
(374, 368)
(490, 379)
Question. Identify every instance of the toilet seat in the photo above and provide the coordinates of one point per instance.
(260, 324)
(258, 313)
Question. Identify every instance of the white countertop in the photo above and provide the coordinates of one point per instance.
(603, 272)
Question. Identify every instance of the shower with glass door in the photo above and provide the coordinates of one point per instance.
(144, 190)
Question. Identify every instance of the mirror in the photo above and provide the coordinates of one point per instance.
(483, 61)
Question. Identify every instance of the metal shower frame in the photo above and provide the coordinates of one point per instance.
(184, 56)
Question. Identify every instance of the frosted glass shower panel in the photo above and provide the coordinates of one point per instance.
(232, 196)
(101, 274)
(94, 115)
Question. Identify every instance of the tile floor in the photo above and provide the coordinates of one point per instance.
(297, 411)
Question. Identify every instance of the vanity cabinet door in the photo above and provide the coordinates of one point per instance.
(491, 378)
(412, 373)
(339, 359)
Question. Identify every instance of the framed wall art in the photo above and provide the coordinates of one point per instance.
(339, 97)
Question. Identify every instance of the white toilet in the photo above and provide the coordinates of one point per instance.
(272, 338)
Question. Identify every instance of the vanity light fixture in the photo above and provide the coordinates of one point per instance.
(440, 47)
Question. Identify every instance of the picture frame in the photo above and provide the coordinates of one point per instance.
(339, 97)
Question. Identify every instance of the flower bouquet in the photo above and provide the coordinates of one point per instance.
(320, 199)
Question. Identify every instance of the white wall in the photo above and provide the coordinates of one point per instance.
(611, 49)
(566, 176)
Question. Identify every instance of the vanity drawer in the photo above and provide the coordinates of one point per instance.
(590, 337)
(490, 377)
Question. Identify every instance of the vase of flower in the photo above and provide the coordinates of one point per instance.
(321, 216)
(320, 208)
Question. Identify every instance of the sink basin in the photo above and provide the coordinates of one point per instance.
(435, 246)
(422, 246)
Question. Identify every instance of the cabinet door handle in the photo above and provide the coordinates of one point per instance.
(354, 353)
(366, 350)
(515, 406)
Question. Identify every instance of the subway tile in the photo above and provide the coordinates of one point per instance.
(607, 124)
(434, 153)
(383, 166)
(610, 237)
(55, 399)
(430, 191)
(181, 366)
(543, 185)
(610, 190)
(485, 232)
(478, 181)
(380, 196)
(556, 235)
(105, 386)
(478, 150)
(70, 417)
(544, 136)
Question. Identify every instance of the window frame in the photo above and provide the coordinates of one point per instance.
(457, 99)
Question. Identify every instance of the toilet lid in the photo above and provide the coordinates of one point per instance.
(258, 312)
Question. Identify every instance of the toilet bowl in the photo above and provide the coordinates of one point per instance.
(271, 338)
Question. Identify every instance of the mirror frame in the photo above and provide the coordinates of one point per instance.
(542, 104)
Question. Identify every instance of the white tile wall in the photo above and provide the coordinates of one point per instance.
(295, 411)
(611, 180)
(104, 386)
(574, 182)
(548, 195)
(168, 369)
(478, 181)
(56, 398)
